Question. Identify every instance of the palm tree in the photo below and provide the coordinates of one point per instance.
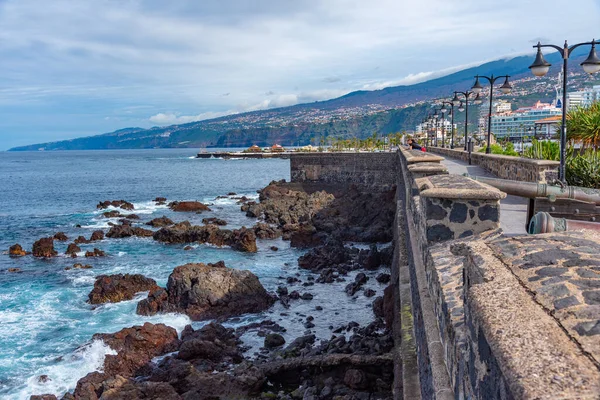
(583, 125)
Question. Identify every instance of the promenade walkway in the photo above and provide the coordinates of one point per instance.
(513, 209)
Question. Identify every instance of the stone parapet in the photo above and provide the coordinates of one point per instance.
(507, 167)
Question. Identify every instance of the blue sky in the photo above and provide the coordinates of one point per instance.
(71, 68)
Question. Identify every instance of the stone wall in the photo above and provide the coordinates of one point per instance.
(507, 167)
(373, 170)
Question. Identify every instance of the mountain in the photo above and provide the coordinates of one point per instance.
(357, 114)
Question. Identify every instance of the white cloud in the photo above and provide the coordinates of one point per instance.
(173, 119)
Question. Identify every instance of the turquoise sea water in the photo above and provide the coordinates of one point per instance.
(46, 324)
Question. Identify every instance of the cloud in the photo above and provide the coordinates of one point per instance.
(95, 59)
(173, 119)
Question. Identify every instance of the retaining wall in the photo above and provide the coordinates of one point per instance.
(372, 170)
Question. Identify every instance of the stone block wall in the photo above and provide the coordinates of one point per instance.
(372, 170)
(507, 167)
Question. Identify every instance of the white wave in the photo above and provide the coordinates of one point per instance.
(121, 253)
(63, 375)
(174, 320)
(102, 224)
(147, 207)
(82, 280)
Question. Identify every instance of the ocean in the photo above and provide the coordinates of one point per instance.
(46, 324)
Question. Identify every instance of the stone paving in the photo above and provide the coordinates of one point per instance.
(562, 271)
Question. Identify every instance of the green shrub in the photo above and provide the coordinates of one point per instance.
(583, 169)
(543, 150)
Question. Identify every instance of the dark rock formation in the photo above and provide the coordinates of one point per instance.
(44, 247)
(97, 235)
(206, 291)
(112, 214)
(239, 239)
(273, 340)
(125, 205)
(160, 222)
(214, 221)
(119, 287)
(60, 236)
(160, 200)
(358, 283)
(80, 240)
(266, 231)
(95, 253)
(188, 206)
(72, 250)
(123, 231)
(16, 251)
(43, 397)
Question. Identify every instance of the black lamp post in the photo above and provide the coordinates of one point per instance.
(444, 110)
(436, 117)
(457, 102)
(477, 88)
(540, 67)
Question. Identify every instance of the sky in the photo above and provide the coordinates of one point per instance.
(72, 68)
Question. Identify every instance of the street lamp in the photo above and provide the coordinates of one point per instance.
(465, 107)
(540, 67)
(477, 88)
(436, 118)
(444, 110)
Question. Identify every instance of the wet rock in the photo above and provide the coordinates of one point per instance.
(160, 222)
(213, 344)
(333, 255)
(355, 286)
(274, 248)
(16, 251)
(136, 346)
(13, 270)
(273, 340)
(131, 216)
(282, 291)
(232, 194)
(214, 221)
(205, 292)
(125, 205)
(299, 346)
(160, 200)
(306, 296)
(266, 231)
(383, 278)
(95, 253)
(188, 206)
(119, 287)
(72, 250)
(378, 307)
(123, 231)
(43, 397)
(242, 239)
(97, 235)
(81, 266)
(388, 305)
(60, 236)
(80, 240)
(43, 378)
(188, 248)
(44, 247)
(369, 292)
(112, 214)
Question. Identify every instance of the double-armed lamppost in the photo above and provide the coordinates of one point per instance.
(436, 118)
(540, 67)
(444, 110)
(457, 102)
(477, 88)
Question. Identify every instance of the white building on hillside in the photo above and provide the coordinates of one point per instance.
(583, 98)
(516, 123)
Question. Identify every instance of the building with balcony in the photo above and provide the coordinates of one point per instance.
(513, 124)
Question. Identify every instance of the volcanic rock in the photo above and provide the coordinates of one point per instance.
(16, 251)
(136, 346)
(43, 397)
(123, 231)
(60, 236)
(72, 250)
(355, 286)
(119, 287)
(125, 205)
(12, 270)
(214, 221)
(188, 206)
(273, 340)
(239, 239)
(383, 278)
(205, 292)
(97, 235)
(160, 222)
(44, 247)
(160, 200)
(80, 240)
(266, 231)
(112, 214)
(95, 253)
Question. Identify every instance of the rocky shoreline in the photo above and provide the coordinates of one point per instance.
(212, 362)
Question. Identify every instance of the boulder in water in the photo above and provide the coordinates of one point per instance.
(72, 250)
(123, 231)
(16, 251)
(188, 206)
(206, 291)
(60, 236)
(119, 287)
(97, 235)
(125, 205)
(160, 222)
(44, 247)
(95, 253)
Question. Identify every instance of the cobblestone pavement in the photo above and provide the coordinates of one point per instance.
(513, 209)
(562, 271)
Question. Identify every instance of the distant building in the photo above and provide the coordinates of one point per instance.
(276, 148)
(498, 106)
(254, 149)
(547, 127)
(583, 98)
(522, 121)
